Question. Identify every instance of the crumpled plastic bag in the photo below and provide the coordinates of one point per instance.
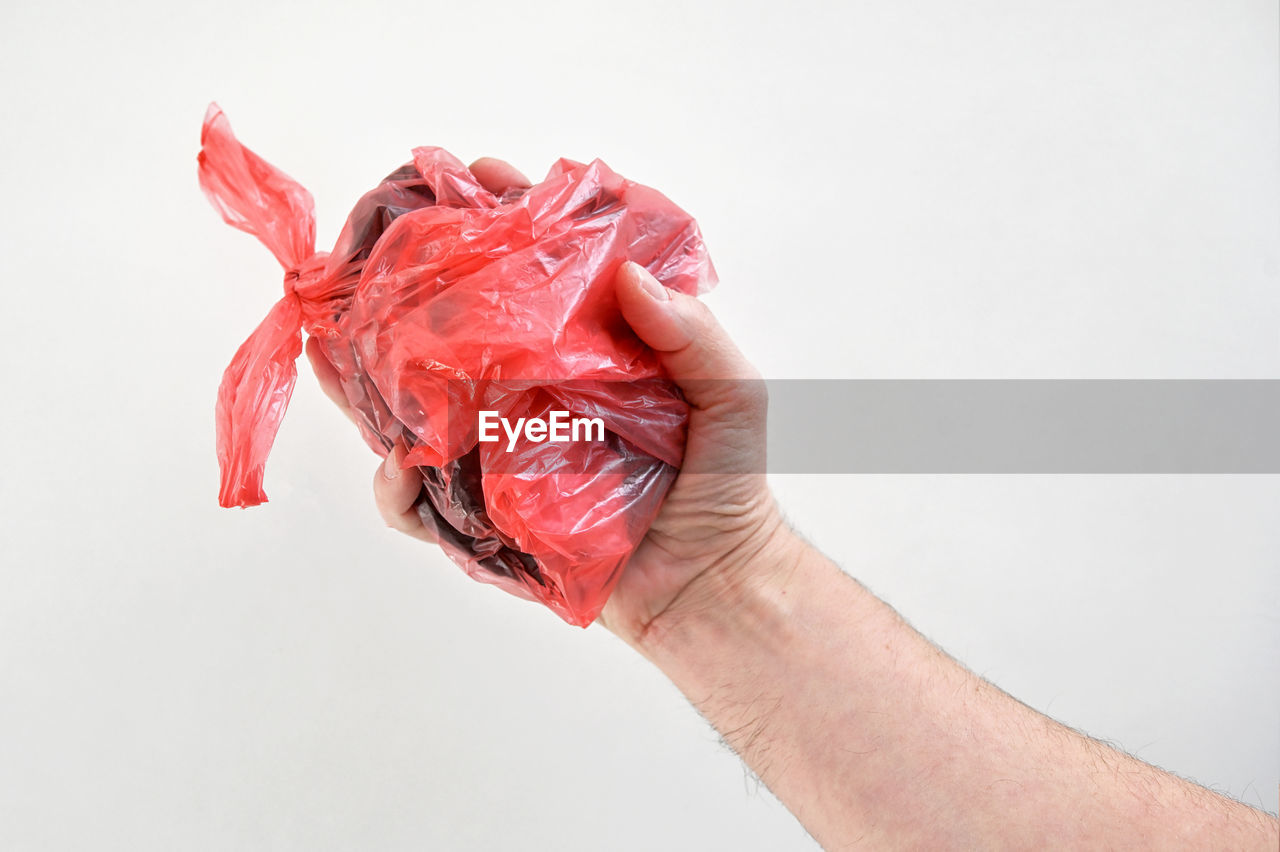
(440, 301)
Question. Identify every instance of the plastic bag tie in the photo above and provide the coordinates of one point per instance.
(258, 198)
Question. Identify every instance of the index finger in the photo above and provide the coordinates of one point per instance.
(327, 375)
(498, 176)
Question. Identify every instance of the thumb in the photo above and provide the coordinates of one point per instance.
(692, 346)
(725, 390)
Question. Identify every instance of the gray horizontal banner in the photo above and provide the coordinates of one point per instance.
(1024, 426)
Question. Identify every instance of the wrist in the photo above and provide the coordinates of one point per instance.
(749, 596)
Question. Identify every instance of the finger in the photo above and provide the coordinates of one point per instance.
(727, 425)
(395, 492)
(498, 176)
(328, 377)
(696, 352)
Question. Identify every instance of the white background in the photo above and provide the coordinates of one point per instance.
(889, 190)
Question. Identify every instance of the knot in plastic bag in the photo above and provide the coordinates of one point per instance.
(303, 280)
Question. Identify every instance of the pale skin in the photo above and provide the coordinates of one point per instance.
(867, 732)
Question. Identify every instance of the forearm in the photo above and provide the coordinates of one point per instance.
(869, 734)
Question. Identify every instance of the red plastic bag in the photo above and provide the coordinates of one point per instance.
(441, 301)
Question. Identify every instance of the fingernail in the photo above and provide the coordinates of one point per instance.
(649, 284)
(391, 467)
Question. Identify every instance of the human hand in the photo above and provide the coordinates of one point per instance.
(719, 532)
(703, 550)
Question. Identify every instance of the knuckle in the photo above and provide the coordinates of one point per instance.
(754, 396)
(701, 320)
(406, 522)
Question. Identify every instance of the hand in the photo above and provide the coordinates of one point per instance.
(719, 518)
(719, 532)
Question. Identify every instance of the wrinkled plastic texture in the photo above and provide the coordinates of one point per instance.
(440, 300)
